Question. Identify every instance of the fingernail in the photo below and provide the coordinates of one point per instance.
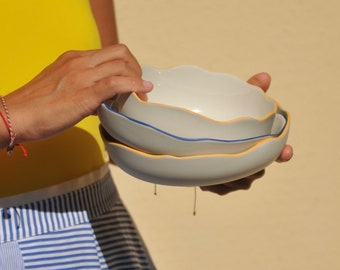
(148, 84)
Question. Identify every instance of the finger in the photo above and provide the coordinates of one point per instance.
(241, 184)
(286, 154)
(109, 87)
(224, 189)
(217, 189)
(261, 80)
(109, 69)
(114, 52)
(143, 96)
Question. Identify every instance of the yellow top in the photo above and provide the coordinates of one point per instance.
(33, 34)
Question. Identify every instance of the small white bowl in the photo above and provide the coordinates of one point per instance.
(218, 96)
(153, 140)
(201, 170)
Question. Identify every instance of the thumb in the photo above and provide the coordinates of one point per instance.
(261, 80)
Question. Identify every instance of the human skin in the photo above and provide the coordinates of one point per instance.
(70, 89)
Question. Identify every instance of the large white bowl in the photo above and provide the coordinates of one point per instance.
(153, 140)
(201, 170)
(218, 96)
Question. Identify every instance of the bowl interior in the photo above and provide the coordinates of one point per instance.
(219, 96)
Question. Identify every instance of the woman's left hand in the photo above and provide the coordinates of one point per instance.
(261, 80)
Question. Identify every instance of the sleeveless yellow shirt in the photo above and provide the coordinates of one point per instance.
(33, 34)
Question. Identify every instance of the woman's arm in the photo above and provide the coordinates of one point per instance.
(104, 15)
(4, 134)
(70, 89)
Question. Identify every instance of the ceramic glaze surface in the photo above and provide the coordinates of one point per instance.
(199, 170)
(153, 140)
(219, 96)
(185, 123)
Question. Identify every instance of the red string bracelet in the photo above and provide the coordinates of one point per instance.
(12, 135)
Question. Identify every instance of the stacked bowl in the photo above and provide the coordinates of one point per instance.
(197, 128)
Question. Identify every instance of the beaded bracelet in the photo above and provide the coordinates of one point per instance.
(12, 134)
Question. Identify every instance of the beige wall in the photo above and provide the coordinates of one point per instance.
(290, 218)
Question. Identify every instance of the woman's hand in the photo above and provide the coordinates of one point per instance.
(72, 88)
(263, 81)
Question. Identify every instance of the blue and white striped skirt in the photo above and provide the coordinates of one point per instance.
(81, 224)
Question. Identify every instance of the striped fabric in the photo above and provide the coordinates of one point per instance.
(72, 248)
(88, 228)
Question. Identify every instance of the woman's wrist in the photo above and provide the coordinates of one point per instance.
(11, 135)
(4, 135)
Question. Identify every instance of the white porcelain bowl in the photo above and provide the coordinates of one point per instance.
(153, 140)
(185, 123)
(219, 96)
(200, 170)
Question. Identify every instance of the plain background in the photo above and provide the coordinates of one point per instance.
(290, 218)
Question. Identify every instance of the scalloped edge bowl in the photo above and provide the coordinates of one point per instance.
(217, 96)
(153, 140)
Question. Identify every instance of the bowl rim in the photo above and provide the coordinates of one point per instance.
(121, 98)
(197, 139)
(261, 142)
(258, 119)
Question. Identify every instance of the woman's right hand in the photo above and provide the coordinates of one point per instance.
(72, 88)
